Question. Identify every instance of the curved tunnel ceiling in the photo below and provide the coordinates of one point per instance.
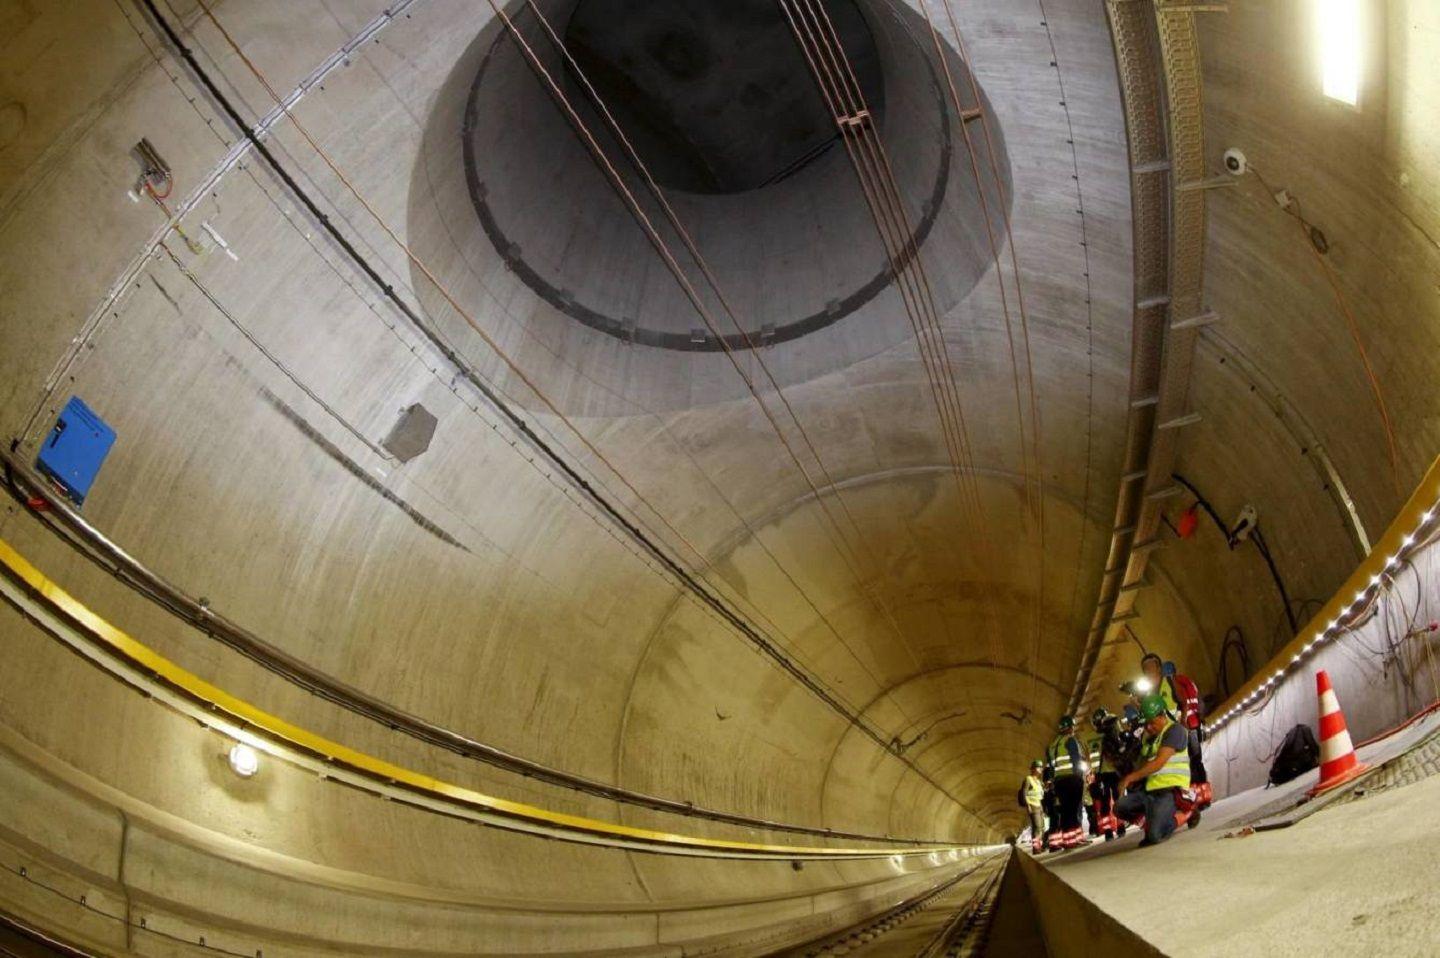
(830, 514)
(832, 562)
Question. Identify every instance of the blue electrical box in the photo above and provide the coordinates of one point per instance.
(75, 449)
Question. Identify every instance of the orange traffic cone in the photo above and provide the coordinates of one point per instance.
(1338, 763)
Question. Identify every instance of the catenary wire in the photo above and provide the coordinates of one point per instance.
(739, 624)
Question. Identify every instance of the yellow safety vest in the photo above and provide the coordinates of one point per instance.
(1175, 773)
(1034, 791)
(1059, 756)
(1167, 692)
(1095, 747)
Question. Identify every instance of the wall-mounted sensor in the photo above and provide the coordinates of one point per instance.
(1235, 162)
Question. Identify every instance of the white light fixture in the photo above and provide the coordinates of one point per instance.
(1341, 36)
(244, 760)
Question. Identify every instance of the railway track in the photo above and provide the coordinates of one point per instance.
(947, 922)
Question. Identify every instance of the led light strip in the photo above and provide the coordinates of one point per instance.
(144, 669)
(1410, 525)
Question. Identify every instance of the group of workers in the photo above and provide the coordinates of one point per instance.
(1142, 767)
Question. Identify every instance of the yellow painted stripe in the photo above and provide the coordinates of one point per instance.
(1426, 494)
(108, 636)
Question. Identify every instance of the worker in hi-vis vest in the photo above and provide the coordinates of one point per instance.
(1105, 784)
(1164, 768)
(1182, 701)
(1066, 760)
(1034, 790)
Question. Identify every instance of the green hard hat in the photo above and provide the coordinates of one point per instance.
(1151, 706)
(1066, 723)
(1037, 764)
(1100, 715)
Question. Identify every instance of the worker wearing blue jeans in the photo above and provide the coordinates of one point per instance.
(1164, 768)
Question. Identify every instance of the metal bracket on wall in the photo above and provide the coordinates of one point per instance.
(1158, 56)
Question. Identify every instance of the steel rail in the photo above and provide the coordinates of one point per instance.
(834, 939)
(953, 935)
(137, 665)
(81, 535)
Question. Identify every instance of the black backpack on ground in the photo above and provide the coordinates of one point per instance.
(1298, 754)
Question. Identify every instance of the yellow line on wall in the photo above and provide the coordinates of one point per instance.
(117, 643)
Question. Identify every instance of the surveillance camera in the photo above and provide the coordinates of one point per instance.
(1235, 162)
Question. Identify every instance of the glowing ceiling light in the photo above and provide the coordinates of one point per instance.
(244, 760)
(1340, 39)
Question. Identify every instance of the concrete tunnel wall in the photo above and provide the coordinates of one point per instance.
(1381, 663)
(1279, 381)
(469, 588)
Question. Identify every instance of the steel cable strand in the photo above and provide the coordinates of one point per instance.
(828, 84)
(763, 644)
(1034, 509)
(885, 225)
(1036, 427)
(888, 231)
(209, 14)
(754, 612)
(851, 103)
(713, 282)
(445, 292)
(868, 166)
(653, 234)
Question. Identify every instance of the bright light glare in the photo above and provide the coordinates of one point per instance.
(1340, 39)
(1143, 685)
(244, 760)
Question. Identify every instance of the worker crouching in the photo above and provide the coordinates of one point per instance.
(1165, 770)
